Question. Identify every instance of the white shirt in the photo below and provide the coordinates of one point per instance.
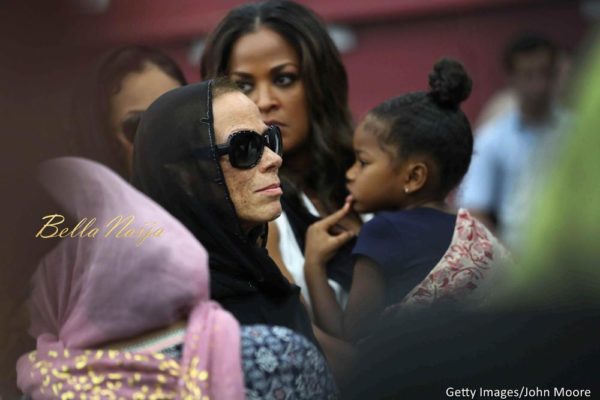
(293, 257)
(506, 156)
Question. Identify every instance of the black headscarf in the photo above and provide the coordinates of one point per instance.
(244, 279)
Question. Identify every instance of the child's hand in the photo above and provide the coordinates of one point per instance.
(322, 241)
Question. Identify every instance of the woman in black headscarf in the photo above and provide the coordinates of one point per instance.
(204, 154)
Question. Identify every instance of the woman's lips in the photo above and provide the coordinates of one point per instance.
(272, 190)
(275, 122)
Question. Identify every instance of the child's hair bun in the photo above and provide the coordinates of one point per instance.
(449, 82)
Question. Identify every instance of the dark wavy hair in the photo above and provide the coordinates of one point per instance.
(324, 79)
(432, 123)
(527, 43)
(90, 132)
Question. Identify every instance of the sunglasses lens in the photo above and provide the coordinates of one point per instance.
(274, 139)
(129, 126)
(246, 149)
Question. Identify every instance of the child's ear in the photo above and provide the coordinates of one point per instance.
(417, 174)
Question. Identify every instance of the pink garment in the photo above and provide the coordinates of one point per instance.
(91, 291)
(466, 270)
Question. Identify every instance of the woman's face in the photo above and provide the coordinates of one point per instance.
(138, 91)
(255, 192)
(267, 69)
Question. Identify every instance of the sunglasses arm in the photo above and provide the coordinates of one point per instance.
(222, 149)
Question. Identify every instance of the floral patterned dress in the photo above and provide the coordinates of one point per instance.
(280, 364)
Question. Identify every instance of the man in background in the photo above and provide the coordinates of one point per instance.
(508, 147)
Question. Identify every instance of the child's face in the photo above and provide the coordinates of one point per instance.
(374, 180)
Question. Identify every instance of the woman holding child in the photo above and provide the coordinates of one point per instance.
(411, 151)
(270, 52)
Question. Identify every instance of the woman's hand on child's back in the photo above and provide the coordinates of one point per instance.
(323, 238)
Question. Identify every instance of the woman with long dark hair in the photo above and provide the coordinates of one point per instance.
(280, 54)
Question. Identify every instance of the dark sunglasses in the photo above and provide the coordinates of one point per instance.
(245, 148)
(130, 124)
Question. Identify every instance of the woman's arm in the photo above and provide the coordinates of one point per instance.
(367, 296)
(340, 355)
(366, 301)
(327, 312)
(365, 304)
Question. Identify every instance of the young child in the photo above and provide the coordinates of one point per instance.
(411, 151)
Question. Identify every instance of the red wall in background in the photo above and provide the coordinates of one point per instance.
(397, 41)
(396, 57)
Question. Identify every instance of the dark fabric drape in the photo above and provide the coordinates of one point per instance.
(421, 355)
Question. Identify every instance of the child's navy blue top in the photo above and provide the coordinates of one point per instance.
(406, 245)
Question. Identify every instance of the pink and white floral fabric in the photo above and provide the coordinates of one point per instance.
(463, 274)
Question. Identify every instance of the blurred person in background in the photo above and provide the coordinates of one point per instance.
(111, 99)
(91, 293)
(507, 147)
(504, 101)
(541, 329)
(41, 134)
(280, 54)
